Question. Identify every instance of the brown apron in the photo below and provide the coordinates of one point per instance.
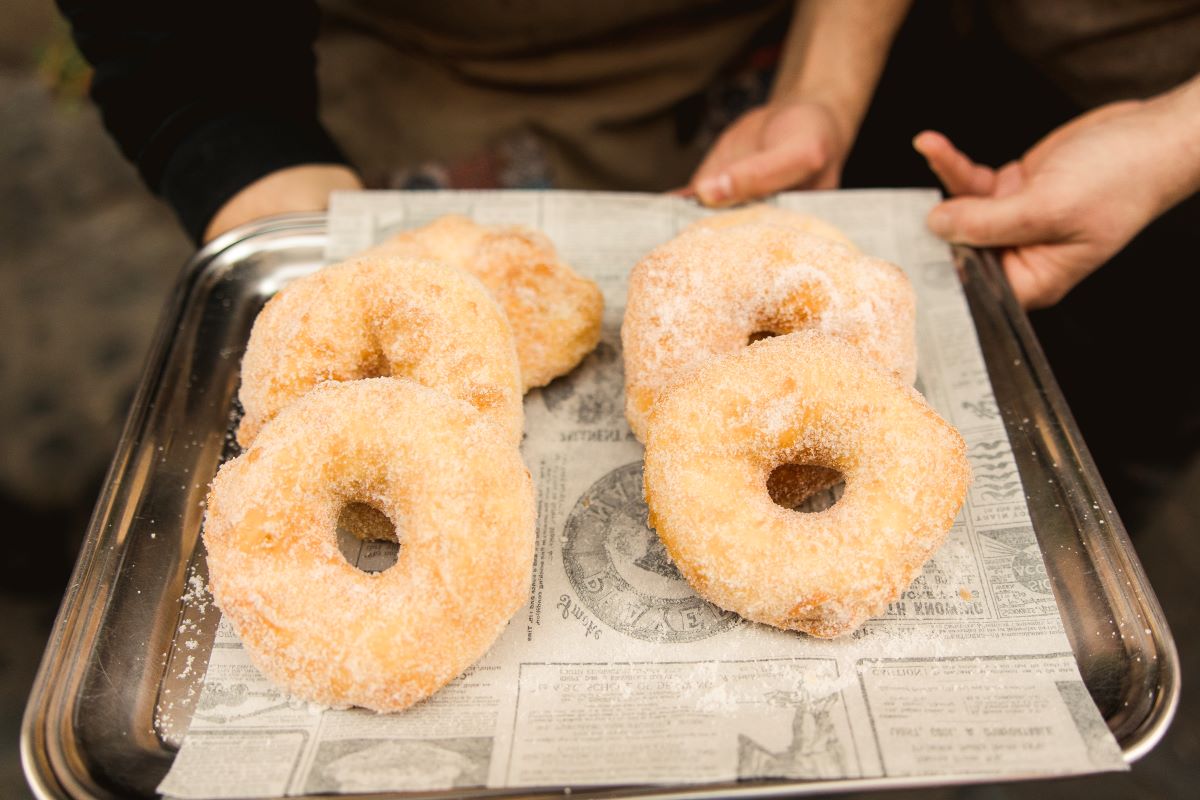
(580, 94)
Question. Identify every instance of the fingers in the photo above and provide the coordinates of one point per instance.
(990, 221)
(959, 174)
(729, 148)
(1040, 265)
(761, 174)
(992, 208)
(715, 190)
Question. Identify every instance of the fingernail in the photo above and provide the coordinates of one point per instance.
(939, 222)
(716, 189)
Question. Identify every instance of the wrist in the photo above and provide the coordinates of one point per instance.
(844, 116)
(1176, 142)
(834, 54)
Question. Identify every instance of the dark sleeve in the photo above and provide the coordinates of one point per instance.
(205, 96)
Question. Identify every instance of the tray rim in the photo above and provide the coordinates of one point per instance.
(1109, 538)
(76, 622)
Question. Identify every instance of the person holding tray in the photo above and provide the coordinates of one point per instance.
(1094, 109)
(216, 104)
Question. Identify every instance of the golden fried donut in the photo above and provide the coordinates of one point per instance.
(804, 398)
(708, 291)
(762, 213)
(555, 313)
(461, 501)
(379, 316)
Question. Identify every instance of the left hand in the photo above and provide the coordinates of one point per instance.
(303, 187)
(781, 145)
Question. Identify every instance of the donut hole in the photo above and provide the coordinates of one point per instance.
(758, 336)
(366, 537)
(807, 488)
(375, 366)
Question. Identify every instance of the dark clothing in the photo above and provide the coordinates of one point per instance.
(204, 98)
(207, 97)
(1100, 51)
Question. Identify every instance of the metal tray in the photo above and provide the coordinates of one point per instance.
(90, 730)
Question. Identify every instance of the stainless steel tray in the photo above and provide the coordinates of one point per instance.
(90, 730)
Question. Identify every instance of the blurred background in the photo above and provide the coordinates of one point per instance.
(87, 257)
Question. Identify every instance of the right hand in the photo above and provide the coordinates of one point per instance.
(301, 188)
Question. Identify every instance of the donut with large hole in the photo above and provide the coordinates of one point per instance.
(462, 504)
(804, 398)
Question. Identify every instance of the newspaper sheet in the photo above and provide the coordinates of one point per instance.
(615, 672)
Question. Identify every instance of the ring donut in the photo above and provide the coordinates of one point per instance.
(709, 291)
(804, 398)
(761, 213)
(460, 498)
(380, 316)
(555, 313)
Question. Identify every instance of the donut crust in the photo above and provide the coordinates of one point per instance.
(382, 316)
(462, 503)
(555, 313)
(761, 213)
(804, 398)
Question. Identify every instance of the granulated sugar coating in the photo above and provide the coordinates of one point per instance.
(454, 488)
(773, 215)
(705, 292)
(803, 398)
(555, 312)
(382, 316)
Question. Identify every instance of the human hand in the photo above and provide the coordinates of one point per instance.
(776, 146)
(301, 188)
(1069, 204)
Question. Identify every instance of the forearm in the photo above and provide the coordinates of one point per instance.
(205, 98)
(834, 54)
(300, 188)
(1176, 134)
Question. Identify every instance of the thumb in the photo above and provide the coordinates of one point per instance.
(990, 221)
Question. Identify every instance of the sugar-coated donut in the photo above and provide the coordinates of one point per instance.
(772, 215)
(708, 291)
(380, 316)
(555, 313)
(804, 398)
(461, 501)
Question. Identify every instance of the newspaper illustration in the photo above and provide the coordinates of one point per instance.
(616, 673)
